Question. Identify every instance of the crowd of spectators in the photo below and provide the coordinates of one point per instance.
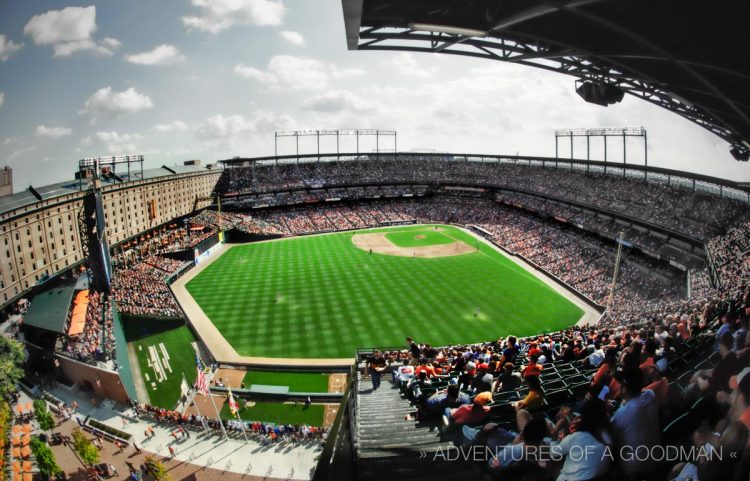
(265, 433)
(729, 255)
(696, 213)
(140, 288)
(677, 380)
(97, 341)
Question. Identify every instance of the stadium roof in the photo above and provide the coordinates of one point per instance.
(49, 310)
(691, 57)
(35, 194)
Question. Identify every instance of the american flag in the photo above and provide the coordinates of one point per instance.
(200, 381)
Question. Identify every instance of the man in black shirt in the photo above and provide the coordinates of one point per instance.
(414, 350)
(376, 366)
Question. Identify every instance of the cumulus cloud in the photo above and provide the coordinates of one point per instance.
(107, 101)
(218, 15)
(227, 126)
(113, 142)
(406, 65)
(176, 126)
(69, 30)
(161, 55)
(8, 48)
(53, 132)
(294, 38)
(288, 72)
(338, 101)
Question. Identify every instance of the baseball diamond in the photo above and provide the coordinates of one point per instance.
(323, 296)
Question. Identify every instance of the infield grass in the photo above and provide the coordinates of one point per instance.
(418, 239)
(322, 297)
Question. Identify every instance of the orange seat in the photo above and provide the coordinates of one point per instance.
(27, 466)
(16, 452)
(25, 452)
(15, 441)
(17, 429)
(26, 428)
(26, 439)
(17, 477)
(27, 477)
(16, 467)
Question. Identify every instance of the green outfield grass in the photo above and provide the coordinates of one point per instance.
(334, 297)
(177, 343)
(278, 413)
(297, 381)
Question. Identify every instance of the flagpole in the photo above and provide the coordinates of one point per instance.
(232, 403)
(193, 403)
(206, 390)
(223, 429)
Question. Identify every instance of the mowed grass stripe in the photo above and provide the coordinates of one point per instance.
(335, 297)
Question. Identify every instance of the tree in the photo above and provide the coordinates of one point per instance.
(11, 360)
(157, 469)
(43, 416)
(45, 458)
(85, 448)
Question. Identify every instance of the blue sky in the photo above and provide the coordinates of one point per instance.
(188, 79)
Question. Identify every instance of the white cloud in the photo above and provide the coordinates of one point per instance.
(294, 38)
(176, 126)
(218, 15)
(223, 127)
(69, 30)
(8, 48)
(106, 101)
(113, 142)
(2, 98)
(288, 72)
(406, 65)
(161, 55)
(53, 132)
(338, 101)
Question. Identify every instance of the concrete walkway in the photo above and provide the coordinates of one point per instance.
(233, 454)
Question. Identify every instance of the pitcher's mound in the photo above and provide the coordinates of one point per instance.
(420, 236)
(380, 244)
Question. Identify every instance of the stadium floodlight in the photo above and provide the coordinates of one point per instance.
(464, 32)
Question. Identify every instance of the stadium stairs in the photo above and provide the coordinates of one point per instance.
(390, 444)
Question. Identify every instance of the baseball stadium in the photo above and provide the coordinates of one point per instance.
(366, 312)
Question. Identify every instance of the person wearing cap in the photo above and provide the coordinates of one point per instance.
(635, 423)
(469, 413)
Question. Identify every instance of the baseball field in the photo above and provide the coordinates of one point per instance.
(323, 296)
